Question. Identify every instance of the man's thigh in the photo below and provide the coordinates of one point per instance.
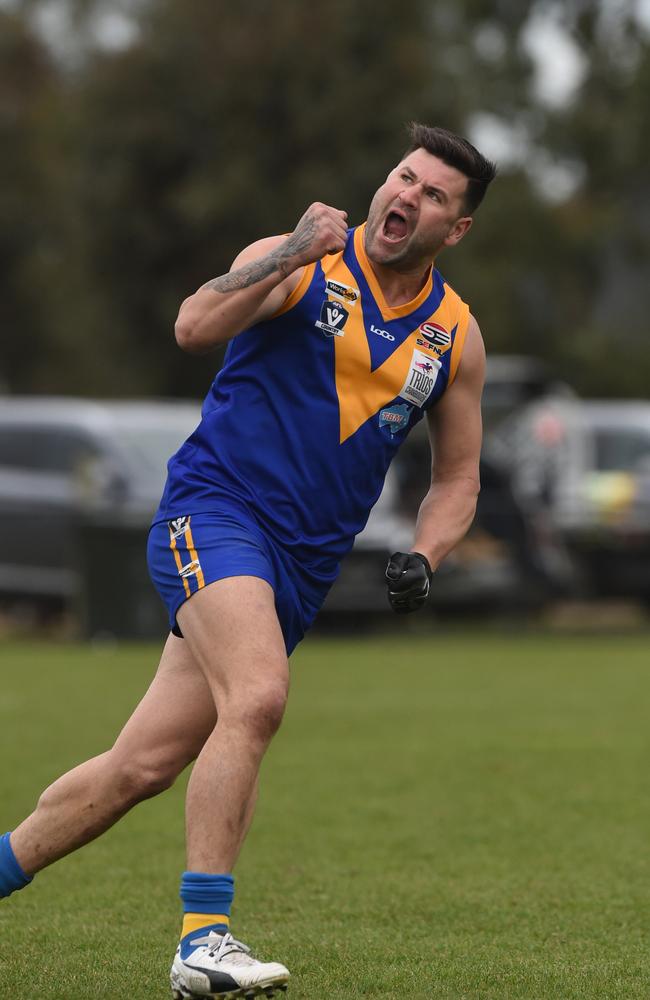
(175, 717)
(233, 632)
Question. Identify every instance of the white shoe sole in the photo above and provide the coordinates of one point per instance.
(268, 989)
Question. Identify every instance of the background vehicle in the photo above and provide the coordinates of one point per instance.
(585, 466)
(79, 481)
(512, 381)
(67, 464)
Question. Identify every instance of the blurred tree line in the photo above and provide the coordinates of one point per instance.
(131, 174)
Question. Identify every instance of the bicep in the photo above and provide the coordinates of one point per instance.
(455, 425)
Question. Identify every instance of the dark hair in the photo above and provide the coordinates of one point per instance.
(456, 152)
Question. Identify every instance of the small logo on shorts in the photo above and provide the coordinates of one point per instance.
(191, 569)
(178, 526)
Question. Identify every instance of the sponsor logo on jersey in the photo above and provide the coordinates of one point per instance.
(395, 417)
(343, 292)
(428, 347)
(178, 526)
(421, 378)
(381, 333)
(333, 317)
(435, 335)
(190, 569)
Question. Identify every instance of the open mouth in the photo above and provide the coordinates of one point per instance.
(395, 228)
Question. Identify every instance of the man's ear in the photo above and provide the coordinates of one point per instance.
(458, 230)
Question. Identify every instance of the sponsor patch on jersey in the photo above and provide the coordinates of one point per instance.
(434, 337)
(395, 417)
(421, 378)
(333, 317)
(345, 293)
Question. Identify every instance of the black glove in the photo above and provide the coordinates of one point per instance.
(408, 575)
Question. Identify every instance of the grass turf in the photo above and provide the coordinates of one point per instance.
(446, 817)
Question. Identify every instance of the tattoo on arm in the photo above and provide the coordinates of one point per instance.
(276, 260)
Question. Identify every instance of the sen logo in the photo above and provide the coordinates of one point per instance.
(435, 335)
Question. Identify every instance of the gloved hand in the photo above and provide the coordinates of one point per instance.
(408, 575)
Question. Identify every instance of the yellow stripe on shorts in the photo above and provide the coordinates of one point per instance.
(179, 562)
(200, 579)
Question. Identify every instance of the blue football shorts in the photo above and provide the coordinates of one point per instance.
(187, 553)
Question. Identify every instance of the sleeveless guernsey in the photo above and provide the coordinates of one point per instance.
(301, 423)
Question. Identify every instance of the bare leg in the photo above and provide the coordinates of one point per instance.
(166, 732)
(233, 632)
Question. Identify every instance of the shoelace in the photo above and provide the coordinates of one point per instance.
(220, 945)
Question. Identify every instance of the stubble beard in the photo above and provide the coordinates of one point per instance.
(411, 255)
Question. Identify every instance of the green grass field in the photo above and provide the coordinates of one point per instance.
(449, 817)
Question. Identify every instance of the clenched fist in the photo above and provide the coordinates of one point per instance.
(320, 231)
(408, 576)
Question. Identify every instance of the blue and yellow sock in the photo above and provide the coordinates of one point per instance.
(12, 876)
(207, 900)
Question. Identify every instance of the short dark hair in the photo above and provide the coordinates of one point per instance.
(456, 152)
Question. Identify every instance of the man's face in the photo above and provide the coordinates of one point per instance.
(418, 210)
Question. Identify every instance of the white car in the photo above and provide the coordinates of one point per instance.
(586, 466)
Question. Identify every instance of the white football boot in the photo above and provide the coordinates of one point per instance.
(219, 966)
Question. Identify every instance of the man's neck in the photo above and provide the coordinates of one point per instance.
(400, 287)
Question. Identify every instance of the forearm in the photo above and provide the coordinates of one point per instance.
(228, 304)
(445, 516)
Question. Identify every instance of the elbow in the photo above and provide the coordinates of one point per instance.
(185, 332)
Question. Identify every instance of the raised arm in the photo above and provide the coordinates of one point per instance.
(448, 509)
(260, 280)
(455, 429)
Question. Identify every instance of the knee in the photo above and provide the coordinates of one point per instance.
(261, 710)
(142, 779)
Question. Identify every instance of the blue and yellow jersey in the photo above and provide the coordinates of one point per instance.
(301, 423)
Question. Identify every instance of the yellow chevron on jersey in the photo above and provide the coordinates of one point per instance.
(361, 390)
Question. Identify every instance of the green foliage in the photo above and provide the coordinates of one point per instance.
(131, 176)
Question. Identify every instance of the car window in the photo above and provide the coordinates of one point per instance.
(621, 449)
(43, 449)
